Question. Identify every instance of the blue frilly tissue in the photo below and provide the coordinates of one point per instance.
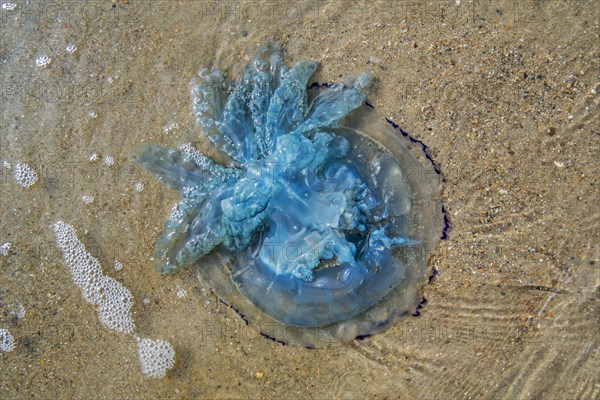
(322, 213)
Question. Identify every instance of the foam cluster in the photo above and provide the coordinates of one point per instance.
(42, 61)
(7, 343)
(5, 249)
(156, 357)
(112, 299)
(24, 175)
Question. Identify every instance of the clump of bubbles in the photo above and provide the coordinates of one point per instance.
(181, 293)
(71, 48)
(109, 161)
(7, 343)
(42, 61)
(87, 199)
(114, 306)
(112, 299)
(24, 175)
(5, 249)
(156, 357)
(171, 127)
(8, 6)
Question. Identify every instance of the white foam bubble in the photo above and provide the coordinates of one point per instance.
(71, 48)
(108, 160)
(87, 199)
(42, 61)
(7, 342)
(114, 300)
(24, 175)
(156, 357)
(114, 306)
(171, 127)
(5, 249)
(8, 6)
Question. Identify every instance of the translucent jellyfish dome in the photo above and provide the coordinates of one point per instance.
(320, 228)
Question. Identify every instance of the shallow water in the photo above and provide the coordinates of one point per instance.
(505, 95)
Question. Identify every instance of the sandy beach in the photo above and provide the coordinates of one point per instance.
(505, 94)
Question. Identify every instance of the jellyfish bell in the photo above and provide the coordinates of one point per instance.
(345, 301)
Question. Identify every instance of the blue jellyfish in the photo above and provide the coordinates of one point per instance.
(321, 221)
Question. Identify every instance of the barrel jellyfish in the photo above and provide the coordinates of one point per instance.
(319, 226)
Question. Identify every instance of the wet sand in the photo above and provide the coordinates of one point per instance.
(504, 94)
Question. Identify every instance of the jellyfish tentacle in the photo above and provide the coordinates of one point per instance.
(272, 54)
(259, 105)
(288, 104)
(236, 123)
(245, 210)
(379, 235)
(334, 103)
(268, 70)
(193, 229)
(209, 96)
(179, 168)
(235, 119)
